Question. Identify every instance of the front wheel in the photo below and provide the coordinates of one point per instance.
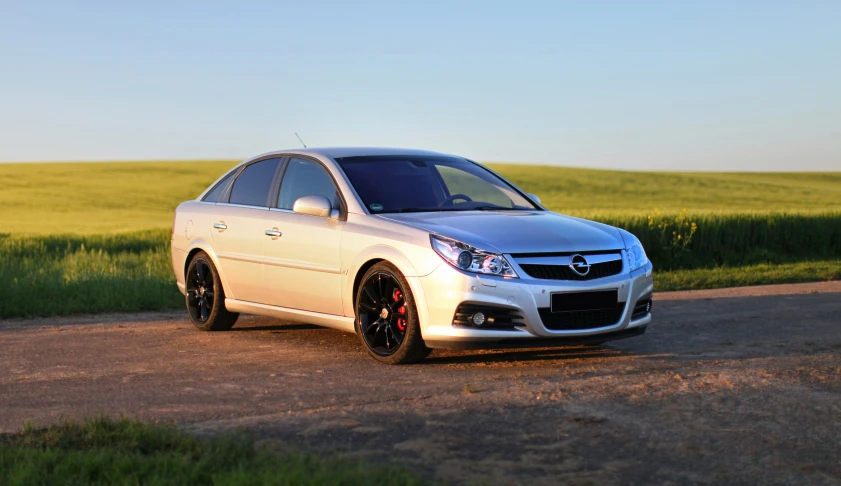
(386, 317)
(205, 296)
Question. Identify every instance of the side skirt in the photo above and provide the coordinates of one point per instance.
(341, 323)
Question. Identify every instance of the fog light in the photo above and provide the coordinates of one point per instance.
(478, 318)
(648, 307)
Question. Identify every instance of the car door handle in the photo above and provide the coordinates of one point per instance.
(220, 226)
(274, 233)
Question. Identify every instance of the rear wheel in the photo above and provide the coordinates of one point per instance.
(386, 317)
(205, 296)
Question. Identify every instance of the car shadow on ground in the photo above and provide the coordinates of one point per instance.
(441, 357)
(279, 327)
(522, 355)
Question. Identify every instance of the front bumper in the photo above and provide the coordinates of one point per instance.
(446, 288)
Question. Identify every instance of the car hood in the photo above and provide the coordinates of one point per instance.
(516, 231)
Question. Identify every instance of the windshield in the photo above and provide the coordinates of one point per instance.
(394, 184)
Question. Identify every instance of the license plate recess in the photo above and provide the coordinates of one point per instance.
(583, 301)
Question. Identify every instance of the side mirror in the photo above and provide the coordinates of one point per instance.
(315, 206)
(534, 198)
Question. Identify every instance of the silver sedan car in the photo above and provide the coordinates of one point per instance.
(411, 250)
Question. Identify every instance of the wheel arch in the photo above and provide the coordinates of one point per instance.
(201, 245)
(359, 274)
(370, 257)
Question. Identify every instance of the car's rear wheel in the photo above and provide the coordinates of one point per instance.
(386, 317)
(205, 296)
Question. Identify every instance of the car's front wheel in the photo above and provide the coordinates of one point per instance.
(386, 317)
(205, 296)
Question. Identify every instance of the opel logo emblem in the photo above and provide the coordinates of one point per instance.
(579, 265)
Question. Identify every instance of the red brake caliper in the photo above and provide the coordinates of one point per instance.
(401, 321)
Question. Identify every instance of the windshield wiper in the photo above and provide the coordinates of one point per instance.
(457, 208)
(493, 208)
(415, 210)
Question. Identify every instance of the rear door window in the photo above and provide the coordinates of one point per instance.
(253, 186)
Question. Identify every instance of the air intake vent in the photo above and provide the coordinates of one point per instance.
(580, 320)
(642, 308)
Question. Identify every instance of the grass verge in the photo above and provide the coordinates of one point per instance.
(736, 240)
(114, 452)
(68, 274)
(131, 272)
(762, 274)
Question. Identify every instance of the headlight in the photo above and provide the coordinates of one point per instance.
(636, 255)
(465, 257)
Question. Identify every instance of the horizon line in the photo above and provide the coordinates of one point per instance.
(536, 164)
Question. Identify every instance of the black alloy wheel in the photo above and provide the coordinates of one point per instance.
(200, 291)
(386, 317)
(205, 296)
(382, 313)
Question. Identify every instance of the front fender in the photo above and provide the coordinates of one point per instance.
(396, 258)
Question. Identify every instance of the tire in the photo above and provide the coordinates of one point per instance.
(389, 331)
(205, 297)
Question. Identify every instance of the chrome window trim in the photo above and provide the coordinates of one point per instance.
(262, 208)
(329, 163)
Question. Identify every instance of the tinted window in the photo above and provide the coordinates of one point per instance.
(459, 181)
(420, 183)
(216, 192)
(252, 187)
(306, 178)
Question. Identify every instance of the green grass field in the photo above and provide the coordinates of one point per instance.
(93, 237)
(87, 198)
(594, 192)
(90, 198)
(115, 452)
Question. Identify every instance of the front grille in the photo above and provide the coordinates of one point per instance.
(642, 308)
(564, 272)
(578, 320)
(495, 317)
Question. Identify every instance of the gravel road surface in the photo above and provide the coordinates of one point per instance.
(726, 387)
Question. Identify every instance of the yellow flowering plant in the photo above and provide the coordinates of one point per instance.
(674, 233)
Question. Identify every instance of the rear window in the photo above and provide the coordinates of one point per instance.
(218, 189)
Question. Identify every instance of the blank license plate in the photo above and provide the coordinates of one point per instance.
(580, 301)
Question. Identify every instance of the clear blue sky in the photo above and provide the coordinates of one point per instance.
(626, 84)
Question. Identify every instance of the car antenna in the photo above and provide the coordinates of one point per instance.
(299, 139)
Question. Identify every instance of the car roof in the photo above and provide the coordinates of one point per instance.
(339, 152)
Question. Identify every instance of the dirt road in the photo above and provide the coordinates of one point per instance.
(723, 389)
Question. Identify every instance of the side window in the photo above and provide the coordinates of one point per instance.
(214, 195)
(306, 178)
(253, 185)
